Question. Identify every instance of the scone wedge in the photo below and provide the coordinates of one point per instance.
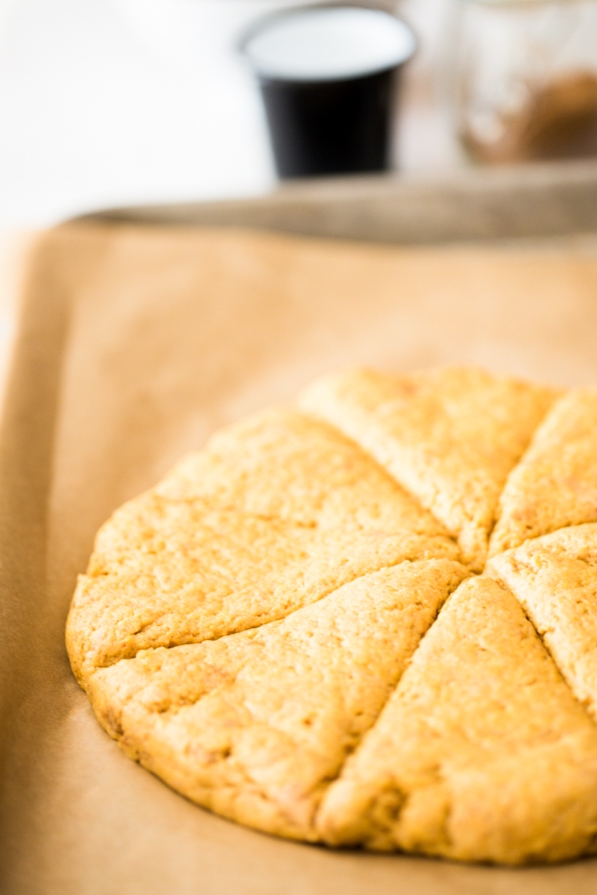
(482, 752)
(555, 580)
(256, 724)
(450, 437)
(555, 484)
(277, 512)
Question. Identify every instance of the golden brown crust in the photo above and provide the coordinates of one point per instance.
(256, 724)
(482, 753)
(555, 580)
(555, 484)
(265, 628)
(277, 512)
(450, 437)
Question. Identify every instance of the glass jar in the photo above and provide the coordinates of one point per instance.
(527, 79)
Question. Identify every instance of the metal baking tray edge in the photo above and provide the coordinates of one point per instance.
(533, 201)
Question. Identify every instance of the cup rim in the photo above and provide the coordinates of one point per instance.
(256, 26)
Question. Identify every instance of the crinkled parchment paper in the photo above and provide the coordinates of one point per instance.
(134, 343)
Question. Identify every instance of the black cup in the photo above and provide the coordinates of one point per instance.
(329, 125)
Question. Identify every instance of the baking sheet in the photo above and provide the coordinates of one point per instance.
(134, 344)
(538, 201)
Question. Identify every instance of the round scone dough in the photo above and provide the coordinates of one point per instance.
(298, 628)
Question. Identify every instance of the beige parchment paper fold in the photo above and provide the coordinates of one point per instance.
(134, 344)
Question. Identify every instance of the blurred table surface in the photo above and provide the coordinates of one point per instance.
(119, 102)
(109, 102)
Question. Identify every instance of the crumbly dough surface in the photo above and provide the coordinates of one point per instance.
(482, 752)
(555, 581)
(255, 724)
(298, 629)
(555, 485)
(449, 436)
(277, 512)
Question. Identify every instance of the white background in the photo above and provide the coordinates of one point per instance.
(107, 102)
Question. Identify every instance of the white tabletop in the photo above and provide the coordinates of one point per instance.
(108, 102)
(118, 102)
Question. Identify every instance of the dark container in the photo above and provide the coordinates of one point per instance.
(330, 125)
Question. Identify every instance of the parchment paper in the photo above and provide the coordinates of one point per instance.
(134, 344)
